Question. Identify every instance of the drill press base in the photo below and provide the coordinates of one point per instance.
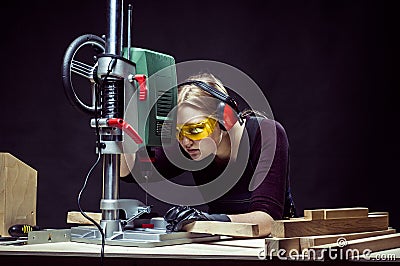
(138, 237)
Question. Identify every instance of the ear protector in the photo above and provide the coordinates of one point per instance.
(227, 111)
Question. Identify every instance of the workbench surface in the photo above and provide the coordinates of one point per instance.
(223, 252)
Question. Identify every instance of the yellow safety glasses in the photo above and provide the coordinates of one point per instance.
(196, 131)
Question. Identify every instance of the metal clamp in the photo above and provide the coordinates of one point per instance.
(132, 208)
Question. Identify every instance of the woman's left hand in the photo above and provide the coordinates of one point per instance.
(179, 216)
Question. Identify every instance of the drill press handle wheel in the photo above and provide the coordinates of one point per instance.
(73, 63)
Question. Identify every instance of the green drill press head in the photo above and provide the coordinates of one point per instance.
(153, 117)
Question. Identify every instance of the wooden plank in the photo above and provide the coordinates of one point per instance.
(379, 213)
(345, 213)
(314, 214)
(375, 243)
(300, 228)
(18, 187)
(298, 218)
(324, 214)
(307, 242)
(75, 217)
(229, 241)
(224, 228)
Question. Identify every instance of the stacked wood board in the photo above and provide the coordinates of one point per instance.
(325, 234)
(348, 232)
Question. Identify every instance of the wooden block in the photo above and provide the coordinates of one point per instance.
(311, 241)
(345, 213)
(314, 214)
(18, 186)
(274, 245)
(224, 228)
(299, 228)
(375, 243)
(75, 217)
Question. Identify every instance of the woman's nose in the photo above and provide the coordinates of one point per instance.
(186, 141)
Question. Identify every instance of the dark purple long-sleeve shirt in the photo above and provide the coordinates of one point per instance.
(267, 166)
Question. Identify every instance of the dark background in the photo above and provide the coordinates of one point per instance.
(325, 67)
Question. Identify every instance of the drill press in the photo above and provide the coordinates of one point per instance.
(133, 94)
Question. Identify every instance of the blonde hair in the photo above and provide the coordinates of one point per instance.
(202, 100)
(197, 97)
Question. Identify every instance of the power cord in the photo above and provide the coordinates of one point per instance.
(111, 65)
(103, 238)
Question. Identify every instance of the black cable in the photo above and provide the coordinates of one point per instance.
(103, 237)
(97, 96)
(86, 216)
(111, 65)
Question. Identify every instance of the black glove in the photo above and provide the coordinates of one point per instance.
(179, 216)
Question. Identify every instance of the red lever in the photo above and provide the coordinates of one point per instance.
(148, 226)
(141, 79)
(128, 129)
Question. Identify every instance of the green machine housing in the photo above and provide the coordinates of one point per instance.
(155, 118)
